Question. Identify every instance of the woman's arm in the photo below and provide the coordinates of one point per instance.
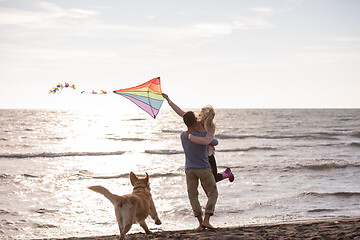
(178, 110)
(202, 140)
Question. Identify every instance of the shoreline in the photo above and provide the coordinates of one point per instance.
(345, 228)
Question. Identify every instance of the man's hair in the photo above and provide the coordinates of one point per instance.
(189, 119)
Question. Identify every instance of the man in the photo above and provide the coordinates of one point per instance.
(197, 167)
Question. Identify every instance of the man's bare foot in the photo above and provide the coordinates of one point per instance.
(199, 228)
(207, 226)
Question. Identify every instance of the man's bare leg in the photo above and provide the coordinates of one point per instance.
(206, 222)
(200, 227)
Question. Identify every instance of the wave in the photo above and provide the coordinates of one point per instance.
(345, 119)
(355, 134)
(125, 175)
(325, 145)
(326, 136)
(246, 149)
(29, 175)
(165, 152)
(342, 129)
(55, 155)
(161, 175)
(126, 139)
(57, 138)
(44, 210)
(327, 166)
(341, 144)
(321, 210)
(224, 136)
(88, 175)
(315, 135)
(38, 225)
(6, 212)
(171, 152)
(336, 133)
(4, 175)
(354, 144)
(172, 131)
(135, 119)
(335, 194)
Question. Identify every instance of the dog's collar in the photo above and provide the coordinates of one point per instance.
(139, 187)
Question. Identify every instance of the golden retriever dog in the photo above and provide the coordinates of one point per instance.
(132, 208)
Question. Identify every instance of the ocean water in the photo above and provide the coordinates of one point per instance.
(289, 165)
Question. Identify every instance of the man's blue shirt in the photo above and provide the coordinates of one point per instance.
(196, 155)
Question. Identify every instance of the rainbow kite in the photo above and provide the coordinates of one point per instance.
(147, 96)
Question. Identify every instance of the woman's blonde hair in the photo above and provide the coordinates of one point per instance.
(206, 117)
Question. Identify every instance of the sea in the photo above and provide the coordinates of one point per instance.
(290, 165)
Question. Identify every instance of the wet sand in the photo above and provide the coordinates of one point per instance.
(326, 229)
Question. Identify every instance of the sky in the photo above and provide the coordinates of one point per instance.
(226, 53)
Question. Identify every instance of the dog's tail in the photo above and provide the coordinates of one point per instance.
(114, 199)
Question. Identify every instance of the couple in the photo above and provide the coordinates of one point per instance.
(198, 143)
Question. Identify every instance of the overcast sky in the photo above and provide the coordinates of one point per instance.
(227, 53)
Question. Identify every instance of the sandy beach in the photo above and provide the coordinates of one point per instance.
(329, 229)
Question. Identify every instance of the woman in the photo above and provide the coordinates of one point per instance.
(205, 123)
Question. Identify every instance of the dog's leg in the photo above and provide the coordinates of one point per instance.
(144, 226)
(125, 230)
(128, 218)
(153, 213)
(119, 219)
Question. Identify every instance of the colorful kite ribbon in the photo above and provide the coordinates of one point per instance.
(147, 96)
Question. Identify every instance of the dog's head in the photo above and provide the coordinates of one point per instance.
(140, 182)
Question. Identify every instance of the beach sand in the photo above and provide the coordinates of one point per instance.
(326, 229)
